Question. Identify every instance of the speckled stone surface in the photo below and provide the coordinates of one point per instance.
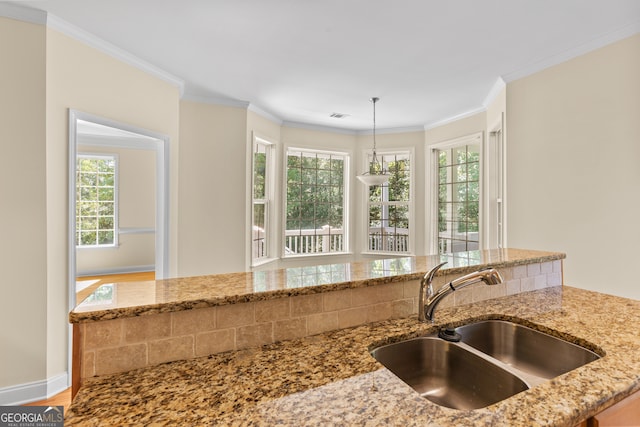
(331, 379)
(119, 300)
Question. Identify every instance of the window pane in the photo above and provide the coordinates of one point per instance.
(388, 206)
(259, 174)
(458, 199)
(315, 200)
(95, 200)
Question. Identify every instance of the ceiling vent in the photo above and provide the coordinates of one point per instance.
(338, 115)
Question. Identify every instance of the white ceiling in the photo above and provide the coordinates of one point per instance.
(301, 60)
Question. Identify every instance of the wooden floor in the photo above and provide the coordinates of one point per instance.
(60, 399)
(64, 398)
(101, 280)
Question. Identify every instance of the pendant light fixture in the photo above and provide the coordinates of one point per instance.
(376, 175)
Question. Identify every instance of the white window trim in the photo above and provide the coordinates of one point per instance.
(495, 155)
(271, 203)
(432, 194)
(116, 193)
(364, 241)
(346, 239)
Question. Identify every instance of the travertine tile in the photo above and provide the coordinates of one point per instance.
(215, 342)
(499, 290)
(514, 287)
(352, 317)
(170, 349)
(275, 309)
(540, 282)
(389, 292)
(554, 279)
(364, 296)
(289, 329)
(462, 296)
(337, 300)
(481, 292)
(378, 312)
(191, 321)
(107, 333)
(254, 335)
(546, 267)
(533, 269)
(143, 328)
(306, 304)
(88, 364)
(411, 288)
(403, 308)
(506, 273)
(121, 359)
(322, 322)
(527, 284)
(557, 266)
(229, 316)
(519, 271)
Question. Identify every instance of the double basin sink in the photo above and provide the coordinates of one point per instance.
(481, 363)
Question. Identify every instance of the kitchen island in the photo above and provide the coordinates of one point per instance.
(331, 379)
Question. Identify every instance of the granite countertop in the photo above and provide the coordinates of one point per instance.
(131, 299)
(331, 379)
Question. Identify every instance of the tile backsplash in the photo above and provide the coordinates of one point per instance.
(119, 345)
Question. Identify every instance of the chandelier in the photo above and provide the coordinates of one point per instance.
(376, 175)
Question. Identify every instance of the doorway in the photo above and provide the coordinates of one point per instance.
(118, 204)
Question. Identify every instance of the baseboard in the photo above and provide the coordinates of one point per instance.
(34, 391)
(116, 270)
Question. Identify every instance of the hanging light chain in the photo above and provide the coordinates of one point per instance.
(375, 157)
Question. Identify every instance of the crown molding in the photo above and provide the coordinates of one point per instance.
(384, 131)
(21, 13)
(215, 100)
(35, 16)
(454, 118)
(320, 128)
(603, 40)
(265, 114)
(89, 39)
(495, 90)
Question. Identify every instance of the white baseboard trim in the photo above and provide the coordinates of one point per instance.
(34, 391)
(117, 270)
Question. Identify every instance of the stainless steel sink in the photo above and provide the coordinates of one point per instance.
(447, 374)
(494, 360)
(525, 349)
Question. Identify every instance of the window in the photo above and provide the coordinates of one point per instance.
(96, 210)
(389, 206)
(262, 185)
(458, 207)
(315, 205)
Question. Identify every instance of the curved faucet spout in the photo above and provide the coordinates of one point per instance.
(429, 300)
(426, 291)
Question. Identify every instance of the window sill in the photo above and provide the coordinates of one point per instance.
(394, 254)
(319, 255)
(261, 262)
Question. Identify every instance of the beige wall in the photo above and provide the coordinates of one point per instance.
(136, 210)
(44, 75)
(573, 172)
(212, 189)
(82, 78)
(23, 210)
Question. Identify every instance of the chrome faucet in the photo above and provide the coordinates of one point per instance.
(428, 300)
